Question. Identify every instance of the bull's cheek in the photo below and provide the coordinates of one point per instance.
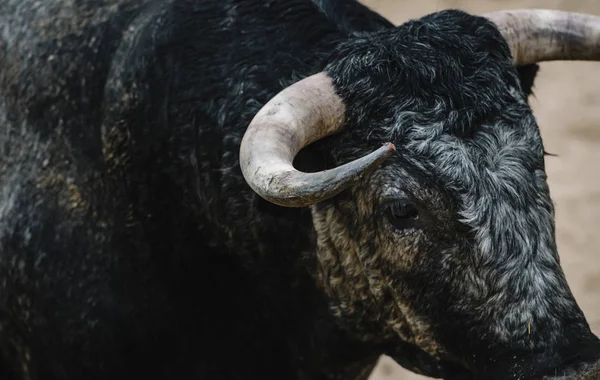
(406, 322)
(350, 273)
(343, 279)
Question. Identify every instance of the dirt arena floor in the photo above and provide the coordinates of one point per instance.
(567, 107)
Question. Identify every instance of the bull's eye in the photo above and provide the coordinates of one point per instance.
(402, 215)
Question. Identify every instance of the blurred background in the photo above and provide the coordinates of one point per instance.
(567, 107)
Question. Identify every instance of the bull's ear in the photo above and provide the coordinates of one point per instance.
(527, 74)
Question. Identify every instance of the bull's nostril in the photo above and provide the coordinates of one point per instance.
(581, 371)
(591, 373)
(583, 366)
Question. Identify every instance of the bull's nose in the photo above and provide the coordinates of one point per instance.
(585, 365)
(578, 359)
(585, 372)
(591, 373)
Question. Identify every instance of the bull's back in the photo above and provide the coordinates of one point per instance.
(97, 227)
(60, 302)
(120, 124)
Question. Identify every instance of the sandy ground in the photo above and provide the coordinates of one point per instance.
(567, 106)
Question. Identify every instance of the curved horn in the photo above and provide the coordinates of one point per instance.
(299, 115)
(536, 35)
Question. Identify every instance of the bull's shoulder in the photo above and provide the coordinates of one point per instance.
(54, 61)
(34, 28)
(55, 35)
(55, 58)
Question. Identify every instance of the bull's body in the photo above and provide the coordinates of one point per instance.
(129, 241)
(132, 246)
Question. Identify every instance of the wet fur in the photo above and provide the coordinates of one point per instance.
(130, 244)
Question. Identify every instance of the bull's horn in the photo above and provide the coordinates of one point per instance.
(299, 115)
(536, 35)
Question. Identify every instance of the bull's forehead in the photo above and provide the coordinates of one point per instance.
(497, 174)
(500, 156)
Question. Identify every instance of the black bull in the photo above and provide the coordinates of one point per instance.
(132, 243)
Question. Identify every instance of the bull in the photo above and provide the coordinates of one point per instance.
(296, 185)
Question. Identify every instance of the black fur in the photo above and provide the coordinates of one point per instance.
(130, 244)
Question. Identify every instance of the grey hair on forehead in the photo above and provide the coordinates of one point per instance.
(503, 200)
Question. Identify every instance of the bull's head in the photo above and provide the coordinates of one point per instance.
(448, 245)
